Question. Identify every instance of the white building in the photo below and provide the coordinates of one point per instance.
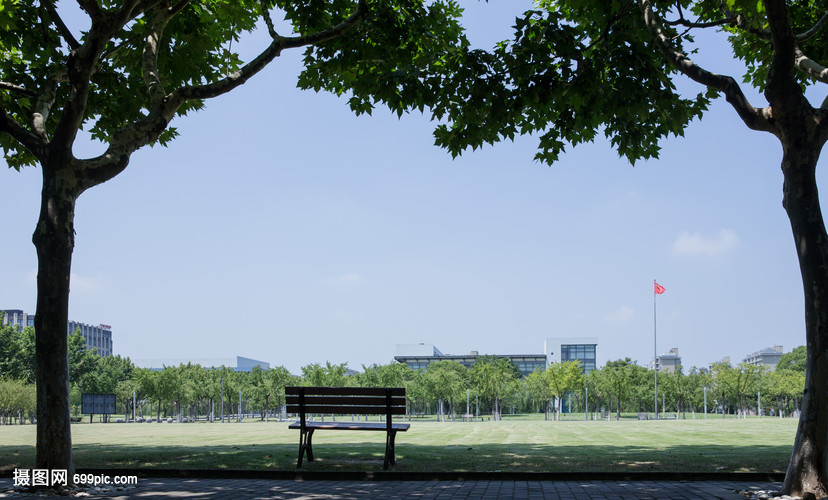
(667, 362)
(768, 357)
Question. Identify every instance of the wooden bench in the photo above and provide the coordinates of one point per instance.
(305, 401)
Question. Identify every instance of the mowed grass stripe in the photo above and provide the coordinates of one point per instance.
(752, 445)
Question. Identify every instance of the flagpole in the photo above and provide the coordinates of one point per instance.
(655, 354)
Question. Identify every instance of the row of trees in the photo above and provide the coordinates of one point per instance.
(444, 388)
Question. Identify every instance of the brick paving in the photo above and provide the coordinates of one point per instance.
(476, 489)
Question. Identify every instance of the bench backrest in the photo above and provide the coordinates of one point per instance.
(346, 400)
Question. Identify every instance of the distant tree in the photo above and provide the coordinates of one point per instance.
(795, 360)
(17, 351)
(82, 360)
(676, 387)
(785, 386)
(596, 383)
(445, 381)
(187, 392)
(619, 381)
(539, 388)
(125, 391)
(737, 382)
(276, 379)
(391, 375)
(564, 378)
(494, 378)
(17, 399)
(105, 374)
(697, 382)
(148, 386)
(418, 393)
(330, 375)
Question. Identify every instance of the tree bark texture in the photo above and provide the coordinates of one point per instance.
(54, 241)
(808, 468)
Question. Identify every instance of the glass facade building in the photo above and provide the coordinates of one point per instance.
(419, 356)
(582, 349)
(96, 336)
(580, 352)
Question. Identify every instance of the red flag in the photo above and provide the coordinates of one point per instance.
(659, 289)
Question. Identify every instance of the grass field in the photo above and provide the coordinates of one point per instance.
(753, 445)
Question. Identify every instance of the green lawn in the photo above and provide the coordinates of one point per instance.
(753, 445)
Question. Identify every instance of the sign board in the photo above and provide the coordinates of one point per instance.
(99, 404)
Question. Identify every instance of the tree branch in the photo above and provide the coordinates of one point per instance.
(330, 33)
(269, 21)
(271, 52)
(807, 35)
(126, 141)
(91, 7)
(784, 42)
(17, 89)
(29, 140)
(61, 26)
(756, 119)
(728, 21)
(130, 138)
(810, 67)
(115, 49)
(149, 61)
(42, 109)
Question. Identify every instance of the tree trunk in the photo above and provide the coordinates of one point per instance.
(54, 241)
(808, 468)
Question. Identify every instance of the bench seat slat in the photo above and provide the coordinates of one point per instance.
(344, 391)
(350, 426)
(345, 400)
(347, 410)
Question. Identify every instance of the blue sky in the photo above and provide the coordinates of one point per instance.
(283, 228)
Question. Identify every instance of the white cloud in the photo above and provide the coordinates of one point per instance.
(347, 279)
(621, 315)
(697, 244)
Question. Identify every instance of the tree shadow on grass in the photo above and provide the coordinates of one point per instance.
(368, 456)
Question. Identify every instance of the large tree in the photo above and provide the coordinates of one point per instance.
(123, 73)
(577, 68)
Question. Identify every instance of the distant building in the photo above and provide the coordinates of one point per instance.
(419, 356)
(768, 357)
(238, 363)
(725, 361)
(96, 336)
(583, 349)
(667, 362)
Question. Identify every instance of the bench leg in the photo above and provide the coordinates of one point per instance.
(390, 459)
(305, 446)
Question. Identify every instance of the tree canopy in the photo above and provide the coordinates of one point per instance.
(794, 360)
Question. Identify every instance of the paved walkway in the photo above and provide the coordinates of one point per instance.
(482, 489)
